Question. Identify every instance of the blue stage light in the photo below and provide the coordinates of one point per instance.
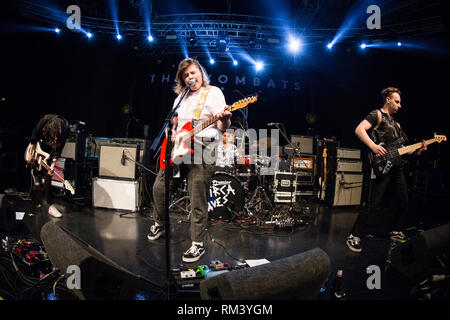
(119, 37)
(212, 61)
(399, 44)
(259, 65)
(150, 38)
(89, 35)
(57, 30)
(235, 63)
(294, 45)
(330, 45)
(363, 46)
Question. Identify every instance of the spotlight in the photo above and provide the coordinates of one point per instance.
(150, 38)
(57, 30)
(259, 65)
(235, 63)
(330, 45)
(294, 45)
(89, 35)
(399, 44)
(119, 37)
(212, 61)
(363, 46)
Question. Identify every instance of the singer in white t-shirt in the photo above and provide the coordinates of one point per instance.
(201, 103)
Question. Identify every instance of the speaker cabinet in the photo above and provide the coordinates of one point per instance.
(344, 189)
(100, 277)
(75, 147)
(118, 161)
(116, 194)
(305, 143)
(297, 277)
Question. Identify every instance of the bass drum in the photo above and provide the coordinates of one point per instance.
(226, 195)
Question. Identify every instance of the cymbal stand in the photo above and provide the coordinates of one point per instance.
(184, 199)
(260, 198)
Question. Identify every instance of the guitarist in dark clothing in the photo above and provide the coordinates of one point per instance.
(51, 132)
(380, 127)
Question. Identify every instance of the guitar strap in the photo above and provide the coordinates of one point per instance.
(201, 104)
(378, 120)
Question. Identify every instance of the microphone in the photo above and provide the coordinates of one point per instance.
(270, 124)
(191, 82)
(122, 161)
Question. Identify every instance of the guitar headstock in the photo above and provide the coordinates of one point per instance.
(439, 138)
(243, 102)
(69, 187)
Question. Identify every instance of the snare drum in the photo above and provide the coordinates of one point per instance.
(225, 193)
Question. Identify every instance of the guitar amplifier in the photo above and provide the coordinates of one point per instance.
(285, 187)
(116, 194)
(116, 161)
(348, 153)
(305, 143)
(349, 165)
(344, 189)
(305, 168)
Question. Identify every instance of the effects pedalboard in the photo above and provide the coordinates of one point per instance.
(188, 279)
(29, 253)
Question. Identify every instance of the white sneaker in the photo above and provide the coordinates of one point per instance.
(54, 212)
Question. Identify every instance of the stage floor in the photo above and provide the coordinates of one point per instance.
(123, 239)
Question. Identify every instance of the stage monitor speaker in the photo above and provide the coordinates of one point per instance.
(417, 255)
(101, 278)
(116, 161)
(7, 215)
(297, 277)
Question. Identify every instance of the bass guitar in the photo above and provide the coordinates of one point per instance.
(383, 164)
(38, 158)
(185, 136)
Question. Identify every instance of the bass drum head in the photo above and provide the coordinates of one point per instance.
(226, 195)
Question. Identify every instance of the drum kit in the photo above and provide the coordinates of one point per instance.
(243, 192)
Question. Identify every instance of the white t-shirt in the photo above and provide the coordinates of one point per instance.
(214, 104)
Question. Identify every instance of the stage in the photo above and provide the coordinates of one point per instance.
(122, 238)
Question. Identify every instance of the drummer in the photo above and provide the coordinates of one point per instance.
(226, 154)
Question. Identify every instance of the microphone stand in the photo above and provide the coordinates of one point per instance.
(166, 129)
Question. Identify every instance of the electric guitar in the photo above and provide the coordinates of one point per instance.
(323, 182)
(383, 164)
(184, 137)
(38, 158)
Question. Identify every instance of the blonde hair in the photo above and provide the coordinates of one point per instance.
(184, 64)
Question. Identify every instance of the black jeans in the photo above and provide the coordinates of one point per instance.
(395, 184)
(198, 178)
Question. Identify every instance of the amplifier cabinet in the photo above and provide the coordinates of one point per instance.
(116, 161)
(305, 168)
(305, 143)
(344, 189)
(348, 153)
(116, 194)
(348, 165)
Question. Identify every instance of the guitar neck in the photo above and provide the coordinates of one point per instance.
(414, 147)
(54, 173)
(202, 126)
